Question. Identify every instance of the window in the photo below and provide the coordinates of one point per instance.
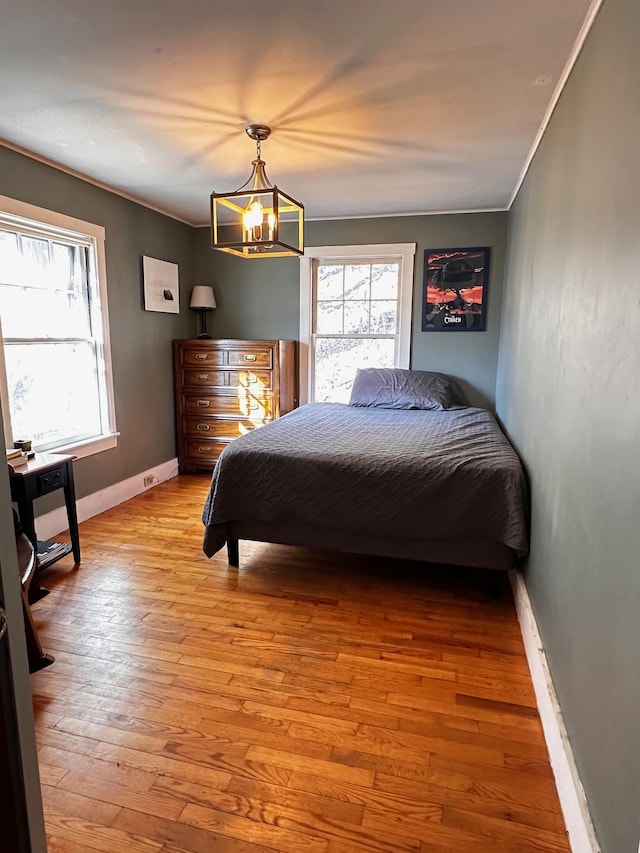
(55, 377)
(355, 311)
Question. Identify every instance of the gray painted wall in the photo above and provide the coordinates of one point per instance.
(261, 298)
(568, 392)
(140, 340)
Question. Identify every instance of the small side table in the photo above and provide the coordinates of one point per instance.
(45, 473)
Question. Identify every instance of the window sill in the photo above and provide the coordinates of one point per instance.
(88, 448)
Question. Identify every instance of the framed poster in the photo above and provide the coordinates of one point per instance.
(454, 297)
(161, 286)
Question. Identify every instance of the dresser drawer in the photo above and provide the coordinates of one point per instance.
(199, 453)
(227, 428)
(250, 357)
(244, 404)
(228, 379)
(205, 378)
(255, 381)
(196, 357)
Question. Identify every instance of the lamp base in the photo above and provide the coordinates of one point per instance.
(203, 322)
(204, 335)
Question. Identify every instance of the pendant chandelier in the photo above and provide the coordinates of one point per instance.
(257, 220)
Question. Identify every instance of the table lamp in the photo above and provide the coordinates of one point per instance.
(202, 300)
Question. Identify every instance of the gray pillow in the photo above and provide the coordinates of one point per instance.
(394, 388)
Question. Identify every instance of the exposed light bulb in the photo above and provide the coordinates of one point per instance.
(272, 224)
(255, 212)
(252, 221)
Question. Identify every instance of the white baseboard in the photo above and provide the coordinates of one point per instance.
(572, 799)
(53, 522)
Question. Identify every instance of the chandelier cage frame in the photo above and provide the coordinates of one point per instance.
(257, 220)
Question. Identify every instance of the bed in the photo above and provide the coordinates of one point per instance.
(398, 472)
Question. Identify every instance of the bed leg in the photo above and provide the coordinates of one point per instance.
(496, 584)
(233, 552)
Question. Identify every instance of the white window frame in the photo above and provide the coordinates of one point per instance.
(16, 214)
(402, 252)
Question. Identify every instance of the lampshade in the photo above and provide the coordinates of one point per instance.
(203, 298)
(257, 220)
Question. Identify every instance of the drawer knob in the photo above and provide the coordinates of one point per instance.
(203, 427)
(203, 404)
(250, 357)
(203, 377)
(204, 450)
(51, 479)
(202, 356)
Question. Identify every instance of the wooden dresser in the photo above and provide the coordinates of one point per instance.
(224, 388)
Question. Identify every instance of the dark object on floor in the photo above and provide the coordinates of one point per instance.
(38, 658)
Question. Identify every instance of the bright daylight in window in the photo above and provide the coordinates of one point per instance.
(359, 316)
(54, 333)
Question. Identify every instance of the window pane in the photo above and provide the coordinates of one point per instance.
(43, 292)
(357, 281)
(384, 281)
(32, 313)
(329, 281)
(356, 317)
(8, 255)
(329, 318)
(384, 315)
(53, 391)
(35, 261)
(336, 362)
(62, 267)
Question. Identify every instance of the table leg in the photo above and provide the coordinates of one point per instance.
(70, 501)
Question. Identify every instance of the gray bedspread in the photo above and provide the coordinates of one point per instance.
(439, 475)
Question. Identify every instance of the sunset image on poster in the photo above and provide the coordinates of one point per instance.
(455, 289)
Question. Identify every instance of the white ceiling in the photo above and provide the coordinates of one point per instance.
(376, 106)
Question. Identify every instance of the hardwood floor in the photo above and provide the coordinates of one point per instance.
(309, 702)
